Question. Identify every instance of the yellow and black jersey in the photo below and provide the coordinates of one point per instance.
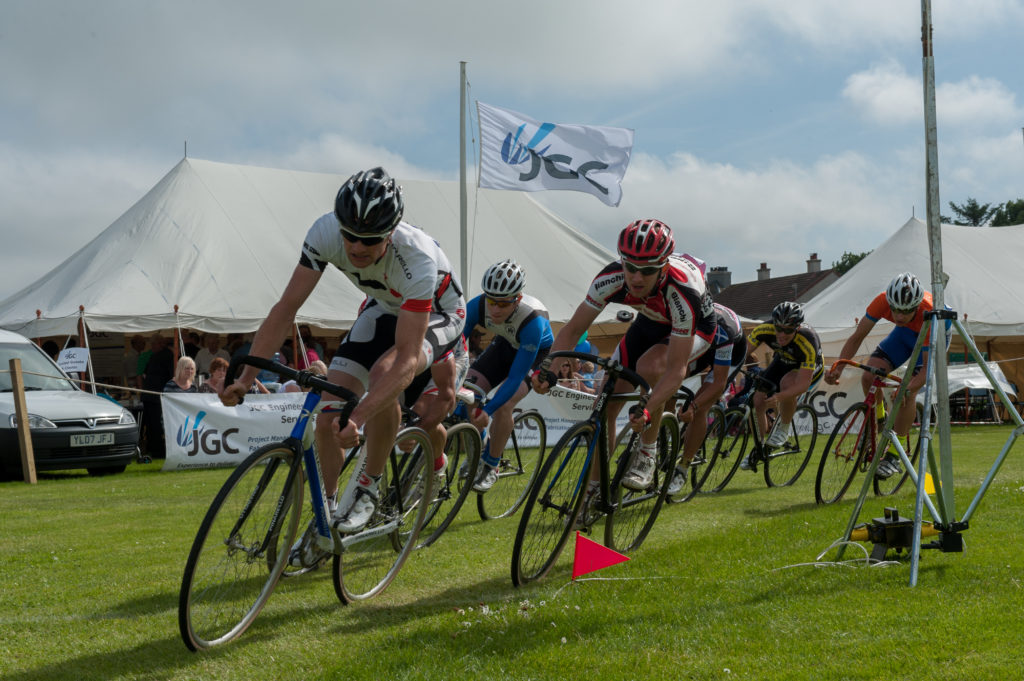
(803, 352)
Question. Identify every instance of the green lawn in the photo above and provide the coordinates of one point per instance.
(723, 588)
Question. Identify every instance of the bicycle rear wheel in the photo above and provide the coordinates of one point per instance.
(729, 451)
(552, 505)
(462, 447)
(842, 455)
(783, 465)
(518, 467)
(636, 510)
(241, 548)
(703, 462)
(370, 559)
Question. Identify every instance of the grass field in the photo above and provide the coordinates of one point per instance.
(724, 588)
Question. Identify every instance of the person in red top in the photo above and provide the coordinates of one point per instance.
(903, 303)
(675, 325)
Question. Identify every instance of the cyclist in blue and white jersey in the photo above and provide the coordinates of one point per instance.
(670, 294)
(412, 320)
(727, 354)
(522, 338)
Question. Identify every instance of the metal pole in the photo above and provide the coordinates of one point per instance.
(463, 231)
(937, 356)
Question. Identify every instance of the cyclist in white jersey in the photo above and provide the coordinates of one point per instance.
(412, 319)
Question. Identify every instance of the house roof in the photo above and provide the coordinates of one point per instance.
(755, 299)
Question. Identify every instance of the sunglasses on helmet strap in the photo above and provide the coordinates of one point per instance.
(645, 270)
(352, 238)
(500, 302)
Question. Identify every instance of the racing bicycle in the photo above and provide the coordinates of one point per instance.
(244, 541)
(556, 503)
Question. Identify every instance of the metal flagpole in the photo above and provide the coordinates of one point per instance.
(463, 230)
(938, 355)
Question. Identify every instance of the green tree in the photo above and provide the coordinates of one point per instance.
(843, 265)
(1010, 213)
(970, 213)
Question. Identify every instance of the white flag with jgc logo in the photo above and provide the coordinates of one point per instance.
(517, 152)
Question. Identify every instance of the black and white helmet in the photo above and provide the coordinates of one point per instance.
(788, 314)
(904, 293)
(369, 203)
(503, 279)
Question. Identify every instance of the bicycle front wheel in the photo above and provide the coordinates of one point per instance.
(518, 467)
(841, 457)
(784, 465)
(463, 450)
(635, 511)
(241, 548)
(554, 501)
(370, 559)
(729, 450)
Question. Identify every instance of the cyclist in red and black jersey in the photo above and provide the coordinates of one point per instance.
(673, 303)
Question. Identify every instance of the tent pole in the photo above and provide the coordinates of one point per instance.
(463, 231)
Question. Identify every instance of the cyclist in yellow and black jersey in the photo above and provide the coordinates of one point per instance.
(796, 366)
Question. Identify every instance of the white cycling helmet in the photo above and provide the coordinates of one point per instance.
(504, 279)
(904, 293)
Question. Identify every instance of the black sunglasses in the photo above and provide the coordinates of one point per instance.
(648, 270)
(785, 329)
(364, 240)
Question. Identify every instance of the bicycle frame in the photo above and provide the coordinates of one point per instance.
(301, 440)
(880, 381)
(598, 418)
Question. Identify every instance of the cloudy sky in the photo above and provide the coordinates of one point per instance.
(764, 130)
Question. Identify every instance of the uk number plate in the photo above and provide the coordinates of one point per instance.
(92, 439)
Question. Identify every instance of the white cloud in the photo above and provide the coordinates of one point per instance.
(741, 217)
(977, 102)
(886, 94)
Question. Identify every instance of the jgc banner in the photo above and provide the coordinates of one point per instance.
(519, 153)
(200, 432)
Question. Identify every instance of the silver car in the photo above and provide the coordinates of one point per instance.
(70, 428)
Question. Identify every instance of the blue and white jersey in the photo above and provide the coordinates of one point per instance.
(527, 331)
(528, 325)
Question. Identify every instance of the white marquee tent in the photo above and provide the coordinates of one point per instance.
(985, 288)
(219, 242)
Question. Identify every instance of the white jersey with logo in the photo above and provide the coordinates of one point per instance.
(413, 274)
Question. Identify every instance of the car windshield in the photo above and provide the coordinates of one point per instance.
(39, 372)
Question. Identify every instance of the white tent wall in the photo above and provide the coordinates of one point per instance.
(219, 241)
(984, 288)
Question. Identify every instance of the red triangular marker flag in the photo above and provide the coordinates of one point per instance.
(591, 556)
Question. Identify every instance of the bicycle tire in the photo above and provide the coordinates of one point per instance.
(372, 557)
(241, 548)
(554, 501)
(784, 465)
(889, 486)
(841, 457)
(635, 511)
(462, 447)
(517, 469)
(704, 459)
(729, 450)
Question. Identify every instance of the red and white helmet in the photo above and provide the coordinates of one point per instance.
(646, 242)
